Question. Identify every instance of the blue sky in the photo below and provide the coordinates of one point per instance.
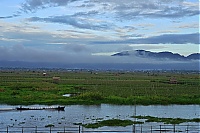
(91, 30)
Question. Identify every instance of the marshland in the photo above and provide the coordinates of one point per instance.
(100, 99)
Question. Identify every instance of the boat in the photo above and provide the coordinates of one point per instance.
(59, 108)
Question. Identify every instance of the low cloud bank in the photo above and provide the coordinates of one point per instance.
(41, 58)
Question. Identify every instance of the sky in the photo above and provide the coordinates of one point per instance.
(84, 31)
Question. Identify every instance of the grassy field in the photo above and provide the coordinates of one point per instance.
(32, 87)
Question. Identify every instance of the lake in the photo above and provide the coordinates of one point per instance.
(90, 114)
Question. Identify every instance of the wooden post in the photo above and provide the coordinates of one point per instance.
(22, 130)
(82, 130)
(36, 129)
(141, 128)
(174, 128)
(79, 129)
(133, 128)
(160, 128)
(64, 129)
(151, 130)
(50, 129)
(7, 130)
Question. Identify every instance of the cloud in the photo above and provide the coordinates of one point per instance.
(73, 30)
(161, 39)
(33, 5)
(81, 23)
(132, 9)
(77, 48)
(175, 38)
(86, 14)
(23, 53)
(12, 16)
(194, 25)
(70, 41)
(126, 9)
(154, 11)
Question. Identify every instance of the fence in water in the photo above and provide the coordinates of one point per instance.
(130, 129)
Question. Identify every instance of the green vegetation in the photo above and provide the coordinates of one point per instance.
(112, 122)
(167, 120)
(32, 87)
(124, 123)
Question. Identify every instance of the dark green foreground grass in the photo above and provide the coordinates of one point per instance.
(112, 122)
(31, 87)
(124, 123)
(167, 120)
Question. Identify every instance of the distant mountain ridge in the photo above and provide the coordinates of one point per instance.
(158, 55)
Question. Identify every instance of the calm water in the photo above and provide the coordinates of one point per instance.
(88, 114)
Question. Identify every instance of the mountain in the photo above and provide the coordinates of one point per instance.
(158, 55)
(195, 56)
